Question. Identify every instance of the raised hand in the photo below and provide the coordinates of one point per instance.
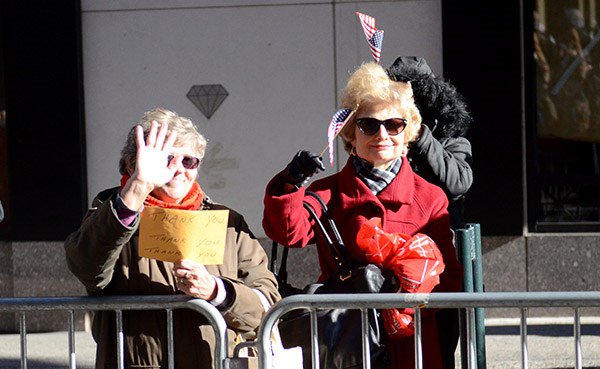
(304, 165)
(152, 163)
(152, 167)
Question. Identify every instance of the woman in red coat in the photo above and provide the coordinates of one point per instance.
(377, 181)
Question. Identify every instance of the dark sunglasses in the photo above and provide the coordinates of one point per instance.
(370, 126)
(188, 162)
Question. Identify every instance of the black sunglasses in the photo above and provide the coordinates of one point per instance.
(370, 126)
(188, 162)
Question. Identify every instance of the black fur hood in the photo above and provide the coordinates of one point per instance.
(442, 108)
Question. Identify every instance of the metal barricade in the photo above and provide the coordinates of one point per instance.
(118, 304)
(469, 301)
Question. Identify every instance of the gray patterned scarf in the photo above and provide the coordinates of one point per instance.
(376, 179)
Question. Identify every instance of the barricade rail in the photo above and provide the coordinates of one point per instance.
(118, 304)
(469, 301)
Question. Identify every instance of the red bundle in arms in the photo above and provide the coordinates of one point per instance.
(415, 260)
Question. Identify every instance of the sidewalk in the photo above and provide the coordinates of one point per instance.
(47, 350)
(549, 346)
(550, 343)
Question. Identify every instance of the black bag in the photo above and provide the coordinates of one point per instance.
(285, 289)
(339, 330)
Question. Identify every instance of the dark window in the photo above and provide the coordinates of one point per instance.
(45, 136)
(563, 129)
(5, 208)
(482, 57)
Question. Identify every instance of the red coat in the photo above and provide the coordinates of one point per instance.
(408, 205)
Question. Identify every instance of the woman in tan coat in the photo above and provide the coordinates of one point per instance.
(159, 164)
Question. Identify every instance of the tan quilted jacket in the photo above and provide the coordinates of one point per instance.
(102, 254)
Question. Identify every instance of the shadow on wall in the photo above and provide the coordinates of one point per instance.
(215, 163)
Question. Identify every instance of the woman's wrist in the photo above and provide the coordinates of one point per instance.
(134, 193)
(126, 215)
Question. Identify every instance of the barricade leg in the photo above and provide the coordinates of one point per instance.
(23, 336)
(470, 336)
(366, 357)
(524, 349)
(577, 335)
(72, 355)
(120, 340)
(170, 340)
(462, 321)
(315, 339)
(418, 340)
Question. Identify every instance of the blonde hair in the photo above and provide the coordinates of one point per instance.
(187, 135)
(370, 85)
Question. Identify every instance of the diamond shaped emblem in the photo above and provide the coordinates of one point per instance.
(207, 98)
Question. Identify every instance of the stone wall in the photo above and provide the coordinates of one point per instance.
(37, 269)
(541, 263)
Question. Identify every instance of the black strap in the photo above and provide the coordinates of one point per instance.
(273, 263)
(337, 248)
(335, 245)
(341, 247)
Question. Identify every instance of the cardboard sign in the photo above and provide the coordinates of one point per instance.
(172, 235)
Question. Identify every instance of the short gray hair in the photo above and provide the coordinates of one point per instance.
(187, 135)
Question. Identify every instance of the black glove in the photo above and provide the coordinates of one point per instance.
(371, 279)
(368, 279)
(304, 165)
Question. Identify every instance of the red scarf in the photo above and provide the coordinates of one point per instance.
(191, 201)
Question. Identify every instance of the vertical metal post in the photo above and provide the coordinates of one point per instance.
(120, 340)
(418, 340)
(577, 334)
(478, 287)
(314, 338)
(170, 338)
(23, 335)
(216, 320)
(470, 328)
(366, 346)
(72, 355)
(524, 352)
(466, 254)
(462, 328)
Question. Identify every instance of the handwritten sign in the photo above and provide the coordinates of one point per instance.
(172, 235)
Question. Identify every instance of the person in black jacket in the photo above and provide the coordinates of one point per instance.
(442, 155)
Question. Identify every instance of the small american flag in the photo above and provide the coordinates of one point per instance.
(373, 35)
(335, 126)
(375, 44)
(368, 24)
